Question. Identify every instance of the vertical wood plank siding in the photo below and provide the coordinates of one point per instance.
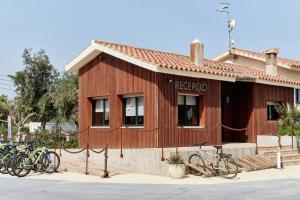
(111, 77)
(261, 94)
(107, 76)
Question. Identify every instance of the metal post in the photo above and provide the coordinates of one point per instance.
(121, 154)
(292, 139)
(59, 140)
(162, 144)
(87, 152)
(106, 173)
(177, 138)
(256, 146)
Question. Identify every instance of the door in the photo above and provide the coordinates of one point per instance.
(227, 110)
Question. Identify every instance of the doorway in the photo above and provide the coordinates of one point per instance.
(236, 110)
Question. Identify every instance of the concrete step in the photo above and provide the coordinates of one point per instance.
(292, 162)
(260, 149)
(287, 157)
(274, 153)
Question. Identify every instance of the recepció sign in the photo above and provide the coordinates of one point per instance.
(190, 86)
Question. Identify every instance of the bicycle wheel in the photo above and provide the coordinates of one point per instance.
(9, 166)
(2, 168)
(3, 164)
(21, 165)
(51, 162)
(196, 160)
(228, 167)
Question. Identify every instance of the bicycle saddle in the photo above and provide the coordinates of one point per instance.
(218, 146)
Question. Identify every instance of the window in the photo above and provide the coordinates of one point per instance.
(133, 110)
(297, 96)
(272, 113)
(188, 110)
(100, 112)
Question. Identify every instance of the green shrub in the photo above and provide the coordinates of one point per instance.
(175, 160)
(51, 140)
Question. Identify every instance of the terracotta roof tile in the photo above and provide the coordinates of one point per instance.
(261, 56)
(182, 62)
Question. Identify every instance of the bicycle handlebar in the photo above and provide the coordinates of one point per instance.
(200, 145)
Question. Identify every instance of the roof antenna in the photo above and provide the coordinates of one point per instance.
(225, 8)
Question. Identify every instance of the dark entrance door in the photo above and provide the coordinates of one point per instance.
(236, 110)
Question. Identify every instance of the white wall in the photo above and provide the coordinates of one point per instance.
(33, 126)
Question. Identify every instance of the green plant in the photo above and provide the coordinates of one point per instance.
(175, 159)
(289, 121)
(298, 145)
(50, 140)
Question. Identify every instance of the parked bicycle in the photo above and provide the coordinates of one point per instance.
(21, 159)
(221, 163)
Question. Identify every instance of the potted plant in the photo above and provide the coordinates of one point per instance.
(176, 166)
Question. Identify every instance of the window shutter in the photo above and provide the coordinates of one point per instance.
(99, 106)
(140, 105)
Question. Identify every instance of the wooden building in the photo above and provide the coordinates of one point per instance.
(135, 97)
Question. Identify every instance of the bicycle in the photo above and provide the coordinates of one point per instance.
(39, 159)
(222, 164)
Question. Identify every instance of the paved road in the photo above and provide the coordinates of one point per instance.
(27, 189)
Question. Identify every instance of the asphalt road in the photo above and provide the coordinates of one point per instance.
(28, 189)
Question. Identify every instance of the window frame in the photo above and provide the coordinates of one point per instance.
(93, 102)
(136, 124)
(200, 107)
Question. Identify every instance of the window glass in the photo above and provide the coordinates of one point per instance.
(130, 107)
(272, 113)
(133, 110)
(188, 110)
(298, 96)
(100, 113)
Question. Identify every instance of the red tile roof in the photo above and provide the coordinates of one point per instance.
(262, 56)
(182, 62)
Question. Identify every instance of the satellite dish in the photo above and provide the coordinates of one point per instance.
(232, 24)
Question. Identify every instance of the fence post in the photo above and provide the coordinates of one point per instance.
(106, 173)
(87, 152)
(256, 146)
(59, 140)
(177, 138)
(162, 143)
(292, 140)
(121, 154)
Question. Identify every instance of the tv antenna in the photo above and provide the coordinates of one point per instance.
(225, 8)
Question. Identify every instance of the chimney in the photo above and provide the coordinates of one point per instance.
(197, 52)
(271, 61)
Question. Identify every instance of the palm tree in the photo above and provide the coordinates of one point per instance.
(288, 122)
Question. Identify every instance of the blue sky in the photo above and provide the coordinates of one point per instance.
(65, 27)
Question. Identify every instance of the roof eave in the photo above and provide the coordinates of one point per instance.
(268, 82)
(222, 56)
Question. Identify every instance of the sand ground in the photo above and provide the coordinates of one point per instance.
(290, 172)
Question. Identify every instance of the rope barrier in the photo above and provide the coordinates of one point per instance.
(73, 133)
(76, 152)
(234, 129)
(113, 130)
(97, 152)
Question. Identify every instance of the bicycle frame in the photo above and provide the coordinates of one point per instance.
(32, 158)
(205, 156)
